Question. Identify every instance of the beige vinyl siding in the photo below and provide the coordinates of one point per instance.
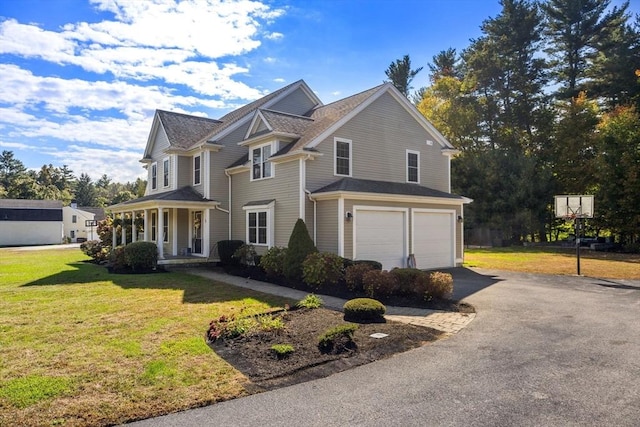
(380, 136)
(221, 160)
(348, 228)
(327, 231)
(219, 226)
(183, 169)
(295, 103)
(283, 187)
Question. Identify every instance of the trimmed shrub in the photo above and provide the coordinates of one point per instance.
(141, 256)
(354, 276)
(374, 264)
(245, 255)
(117, 260)
(322, 268)
(95, 250)
(299, 247)
(440, 285)
(282, 351)
(226, 249)
(310, 301)
(378, 283)
(408, 281)
(364, 310)
(338, 339)
(272, 262)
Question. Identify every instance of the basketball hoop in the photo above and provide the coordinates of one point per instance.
(574, 208)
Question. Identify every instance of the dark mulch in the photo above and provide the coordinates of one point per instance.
(251, 354)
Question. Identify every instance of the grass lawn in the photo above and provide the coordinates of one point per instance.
(555, 261)
(79, 346)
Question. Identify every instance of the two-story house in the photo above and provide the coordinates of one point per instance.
(369, 175)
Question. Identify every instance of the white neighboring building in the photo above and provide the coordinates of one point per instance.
(30, 222)
(78, 222)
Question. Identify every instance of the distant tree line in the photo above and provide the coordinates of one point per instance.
(59, 183)
(546, 101)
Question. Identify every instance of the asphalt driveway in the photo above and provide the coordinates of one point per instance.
(542, 351)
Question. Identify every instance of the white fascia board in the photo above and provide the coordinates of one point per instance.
(294, 155)
(238, 169)
(164, 204)
(396, 198)
(258, 116)
(280, 136)
(152, 135)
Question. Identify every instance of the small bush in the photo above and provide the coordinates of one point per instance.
(378, 283)
(226, 249)
(141, 256)
(95, 250)
(354, 276)
(117, 260)
(310, 301)
(374, 264)
(364, 310)
(266, 322)
(272, 262)
(322, 268)
(245, 255)
(338, 339)
(440, 285)
(408, 281)
(299, 247)
(229, 327)
(282, 351)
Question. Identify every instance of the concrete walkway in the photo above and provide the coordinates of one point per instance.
(445, 321)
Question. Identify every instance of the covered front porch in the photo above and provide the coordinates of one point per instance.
(178, 222)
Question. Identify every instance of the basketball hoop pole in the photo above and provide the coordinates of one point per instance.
(577, 228)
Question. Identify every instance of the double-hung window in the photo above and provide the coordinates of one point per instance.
(154, 176)
(260, 223)
(343, 158)
(74, 219)
(165, 172)
(154, 226)
(260, 165)
(196, 170)
(413, 166)
(165, 226)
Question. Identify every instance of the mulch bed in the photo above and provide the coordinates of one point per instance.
(251, 353)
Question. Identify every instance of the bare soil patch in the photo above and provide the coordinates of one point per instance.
(251, 353)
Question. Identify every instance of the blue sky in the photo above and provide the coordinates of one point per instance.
(81, 79)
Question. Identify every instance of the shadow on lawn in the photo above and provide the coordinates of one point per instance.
(195, 290)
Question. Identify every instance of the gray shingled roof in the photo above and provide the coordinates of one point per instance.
(30, 204)
(286, 123)
(184, 194)
(383, 187)
(184, 130)
(96, 211)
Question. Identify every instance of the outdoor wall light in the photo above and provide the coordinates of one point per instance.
(460, 219)
(348, 216)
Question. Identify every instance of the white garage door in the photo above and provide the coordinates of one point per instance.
(381, 236)
(433, 239)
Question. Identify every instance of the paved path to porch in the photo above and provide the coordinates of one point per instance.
(445, 321)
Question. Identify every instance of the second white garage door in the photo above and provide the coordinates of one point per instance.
(433, 239)
(381, 235)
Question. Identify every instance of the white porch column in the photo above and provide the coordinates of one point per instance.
(160, 233)
(124, 231)
(114, 238)
(145, 226)
(174, 227)
(134, 232)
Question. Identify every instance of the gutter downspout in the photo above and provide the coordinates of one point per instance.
(229, 211)
(315, 210)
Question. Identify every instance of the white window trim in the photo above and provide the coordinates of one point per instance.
(199, 176)
(269, 209)
(154, 166)
(166, 161)
(153, 235)
(417, 153)
(274, 148)
(335, 156)
(165, 225)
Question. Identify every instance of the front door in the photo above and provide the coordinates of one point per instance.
(197, 232)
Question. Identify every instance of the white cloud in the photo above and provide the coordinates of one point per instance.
(279, 80)
(122, 164)
(16, 145)
(274, 36)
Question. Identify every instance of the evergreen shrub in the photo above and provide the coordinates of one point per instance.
(226, 249)
(364, 310)
(299, 247)
(141, 256)
(322, 268)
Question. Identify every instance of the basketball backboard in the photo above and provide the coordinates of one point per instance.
(574, 206)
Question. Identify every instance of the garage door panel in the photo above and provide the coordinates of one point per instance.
(433, 239)
(381, 236)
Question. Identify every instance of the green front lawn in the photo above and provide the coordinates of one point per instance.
(550, 260)
(79, 346)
